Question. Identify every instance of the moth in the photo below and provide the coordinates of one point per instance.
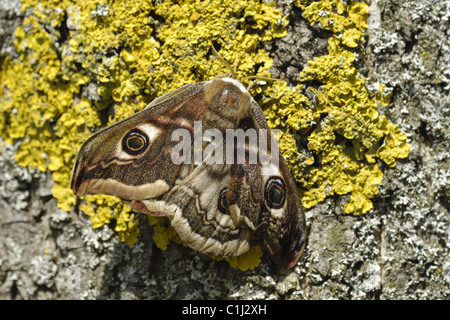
(216, 196)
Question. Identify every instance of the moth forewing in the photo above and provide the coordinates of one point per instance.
(172, 94)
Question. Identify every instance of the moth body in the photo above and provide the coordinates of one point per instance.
(204, 157)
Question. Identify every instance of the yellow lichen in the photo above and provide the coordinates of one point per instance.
(348, 138)
(246, 261)
(133, 51)
(346, 21)
(344, 130)
(164, 234)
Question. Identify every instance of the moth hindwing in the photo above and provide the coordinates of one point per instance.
(204, 157)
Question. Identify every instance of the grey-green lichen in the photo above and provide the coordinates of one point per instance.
(13, 179)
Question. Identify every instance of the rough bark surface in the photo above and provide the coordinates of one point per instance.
(399, 250)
